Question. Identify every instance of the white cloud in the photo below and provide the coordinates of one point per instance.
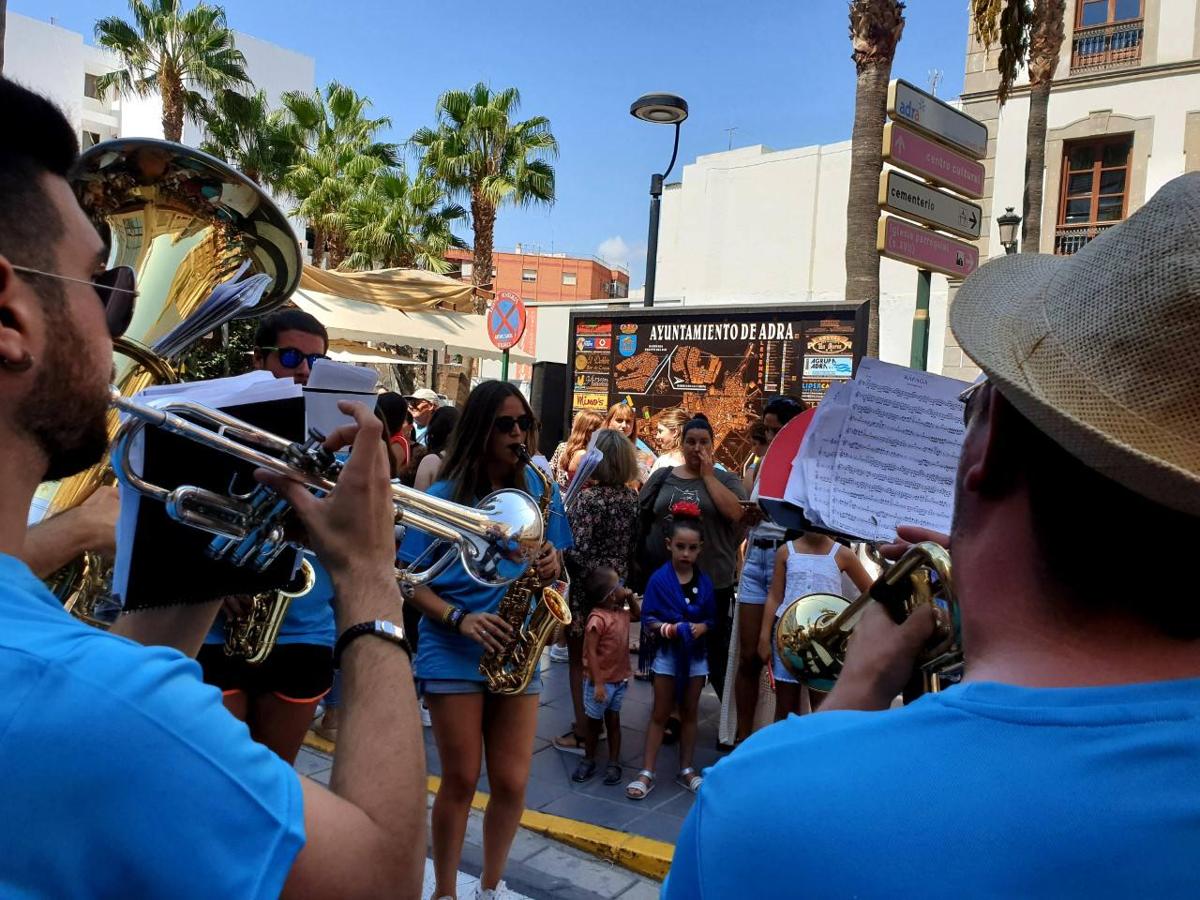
(615, 250)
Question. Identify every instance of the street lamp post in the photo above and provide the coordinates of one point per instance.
(658, 109)
(1008, 224)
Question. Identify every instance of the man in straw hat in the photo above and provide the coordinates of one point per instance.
(1066, 762)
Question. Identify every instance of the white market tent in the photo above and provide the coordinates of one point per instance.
(444, 331)
(346, 351)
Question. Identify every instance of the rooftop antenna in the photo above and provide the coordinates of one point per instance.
(730, 132)
(935, 78)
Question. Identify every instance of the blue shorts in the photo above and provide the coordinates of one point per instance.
(757, 571)
(664, 664)
(615, 693)
(463, 686)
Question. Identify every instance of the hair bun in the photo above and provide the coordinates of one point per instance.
(686, 509)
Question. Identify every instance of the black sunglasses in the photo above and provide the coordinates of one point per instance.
(116, 289)
(504, 424)
(291, 357)
(965, 399)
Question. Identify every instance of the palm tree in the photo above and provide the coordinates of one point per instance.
(337, 154)
(481, 154)
(1032, 34)
(3, 28)
(173, 52)
(875, 29)
(246, 133)
(395, 220)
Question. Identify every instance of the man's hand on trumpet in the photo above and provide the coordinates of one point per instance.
(882, 655)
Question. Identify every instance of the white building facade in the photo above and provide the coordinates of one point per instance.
(56, 62)
(755, 227)
(1124, 119)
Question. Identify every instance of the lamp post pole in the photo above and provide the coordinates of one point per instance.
(659, 109)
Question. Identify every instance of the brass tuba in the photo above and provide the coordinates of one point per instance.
(186, 223)
(533, 621)
(813, 631)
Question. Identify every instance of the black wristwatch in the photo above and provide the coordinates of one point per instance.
(389, 631)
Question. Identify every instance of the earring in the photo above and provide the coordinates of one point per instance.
(21, 365)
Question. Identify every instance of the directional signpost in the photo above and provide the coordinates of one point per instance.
(505, 325)
(941, 145)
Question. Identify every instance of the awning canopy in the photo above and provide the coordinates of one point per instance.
(346, 351)
(446, 332)
(409, 289)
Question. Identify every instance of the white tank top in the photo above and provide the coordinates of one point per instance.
(810, 573)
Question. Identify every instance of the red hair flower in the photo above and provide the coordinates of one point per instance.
(686, 508)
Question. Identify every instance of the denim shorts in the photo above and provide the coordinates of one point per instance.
(664, 664)
(756, 576)
(615, 691)
(463, 686)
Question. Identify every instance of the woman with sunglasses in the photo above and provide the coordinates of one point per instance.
(459, 623)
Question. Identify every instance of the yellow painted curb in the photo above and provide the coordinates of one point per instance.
(643, 855)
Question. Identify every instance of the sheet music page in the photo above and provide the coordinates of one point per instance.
(331, 382)
(898, 453)
(814, 462)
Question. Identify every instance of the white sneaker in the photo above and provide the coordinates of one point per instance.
(499, 892)
(425, 720)
(559, 654)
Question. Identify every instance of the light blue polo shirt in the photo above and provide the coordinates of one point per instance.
(442, 653)
(124, 776)
(985, 790)
(309, 619)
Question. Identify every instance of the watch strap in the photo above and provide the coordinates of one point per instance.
(380, 628)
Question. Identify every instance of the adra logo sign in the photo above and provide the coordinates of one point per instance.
(911, 110)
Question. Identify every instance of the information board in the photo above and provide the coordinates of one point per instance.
(722, 361)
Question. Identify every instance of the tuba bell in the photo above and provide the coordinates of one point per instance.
(186, 223)
(813, 630)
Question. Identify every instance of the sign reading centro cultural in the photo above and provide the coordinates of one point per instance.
(905, 148)
(722, 361)
(937, 119)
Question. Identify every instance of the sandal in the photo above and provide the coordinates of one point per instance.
(570, 742)
(640, 787)
(584, 771)
(689, 779)
(612, 774)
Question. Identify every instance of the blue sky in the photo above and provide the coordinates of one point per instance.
(777, 70)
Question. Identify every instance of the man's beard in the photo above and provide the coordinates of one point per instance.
(65, 413)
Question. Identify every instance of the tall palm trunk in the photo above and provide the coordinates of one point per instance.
(172, 107)
(483, 218)
(318, 247)
(875, 29)
(3, 27)
(1045, 42)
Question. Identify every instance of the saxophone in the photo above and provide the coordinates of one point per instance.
(532, 611)
(252, 636)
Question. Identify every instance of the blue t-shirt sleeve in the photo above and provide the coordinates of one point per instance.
(417, 541)
(559, 531)
(684, 881)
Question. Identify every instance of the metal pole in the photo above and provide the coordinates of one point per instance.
(919, 354)
(652, 238)
(504, 366)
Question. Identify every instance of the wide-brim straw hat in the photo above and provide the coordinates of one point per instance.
(1101, 350)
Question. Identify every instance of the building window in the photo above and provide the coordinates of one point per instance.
(468, 269)
(1095, 190)
(529, 274)
(1108, 35)
(89, 139)
(569, 278)
(90, 87)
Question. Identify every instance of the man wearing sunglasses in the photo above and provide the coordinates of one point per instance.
(288, 343)
(179, 801)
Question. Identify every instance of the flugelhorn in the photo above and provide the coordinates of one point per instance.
(813, 630)
(496, 540)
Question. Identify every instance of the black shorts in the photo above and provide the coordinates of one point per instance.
(297, 672)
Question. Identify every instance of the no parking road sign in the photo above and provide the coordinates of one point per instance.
(506, 320)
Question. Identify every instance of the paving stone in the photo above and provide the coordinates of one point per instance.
(602, 878)
(657, 825)
(309, 762)
(606, 813)
(642, 890)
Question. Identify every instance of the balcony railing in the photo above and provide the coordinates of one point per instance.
(1103, 47)
(1070, 239)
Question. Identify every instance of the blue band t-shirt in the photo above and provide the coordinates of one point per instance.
(983, 790)
(441, 653)
(124, 774)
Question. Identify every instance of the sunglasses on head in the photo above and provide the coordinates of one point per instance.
(504, 424)
(116, 289)
(291, 357)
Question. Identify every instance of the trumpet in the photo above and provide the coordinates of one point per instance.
(814, 630)
(497, 541)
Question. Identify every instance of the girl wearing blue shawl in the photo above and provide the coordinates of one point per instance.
(678, 610)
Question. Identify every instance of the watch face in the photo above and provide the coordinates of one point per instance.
(390, 628)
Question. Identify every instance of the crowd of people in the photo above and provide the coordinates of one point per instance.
(1064, 764)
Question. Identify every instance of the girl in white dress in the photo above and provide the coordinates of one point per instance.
(809, 564)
